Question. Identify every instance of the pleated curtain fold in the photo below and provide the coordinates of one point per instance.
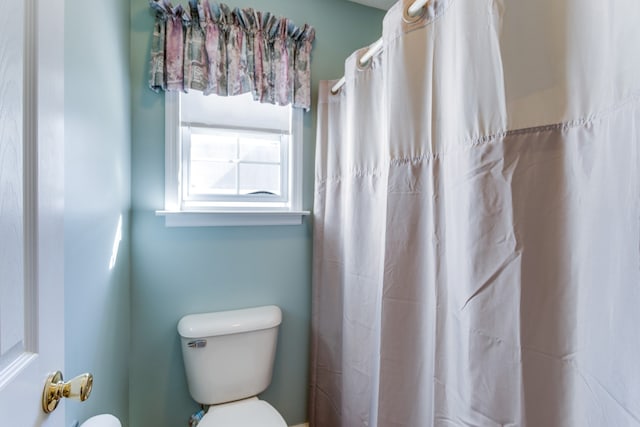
(218, 50)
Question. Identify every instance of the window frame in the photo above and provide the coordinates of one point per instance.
(179, 214)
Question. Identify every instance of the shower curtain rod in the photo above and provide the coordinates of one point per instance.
(414, 10)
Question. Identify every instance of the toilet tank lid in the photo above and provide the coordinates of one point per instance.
(229, 322)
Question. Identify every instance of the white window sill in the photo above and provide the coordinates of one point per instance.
(230, 218)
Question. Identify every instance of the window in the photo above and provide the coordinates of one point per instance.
(231, 161)
(234, 168)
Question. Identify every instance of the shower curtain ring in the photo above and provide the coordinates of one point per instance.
(410, 15)
(363, 65)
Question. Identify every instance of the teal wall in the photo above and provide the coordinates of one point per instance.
(176, 271)
(97, 192)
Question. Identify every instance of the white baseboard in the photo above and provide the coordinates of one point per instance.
(302, 425)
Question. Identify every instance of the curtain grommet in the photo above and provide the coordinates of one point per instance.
(337, 88)
(410, 18)
(363, 65)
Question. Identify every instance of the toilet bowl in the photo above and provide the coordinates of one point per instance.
(228, 359)
(103, 420)
(251, 412)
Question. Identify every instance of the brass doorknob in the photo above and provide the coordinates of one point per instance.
(55, 389)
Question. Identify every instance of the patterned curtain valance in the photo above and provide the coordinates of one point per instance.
(217, 50)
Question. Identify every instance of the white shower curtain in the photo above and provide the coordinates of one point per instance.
(477, 221)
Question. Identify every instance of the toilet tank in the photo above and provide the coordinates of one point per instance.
(229, 355)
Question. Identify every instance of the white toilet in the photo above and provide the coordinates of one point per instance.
(228, 358)
(103, 420)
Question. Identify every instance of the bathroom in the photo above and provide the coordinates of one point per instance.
(128, 277)
(121, 322)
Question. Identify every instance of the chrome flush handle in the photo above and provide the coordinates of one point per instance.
(197, 344)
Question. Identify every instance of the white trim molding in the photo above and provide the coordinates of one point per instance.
(231, 218)
(172, 160)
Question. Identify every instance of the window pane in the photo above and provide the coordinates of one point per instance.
(259, 178)
(260, 150)
(213, 147)
(239, 111)
(213, 178)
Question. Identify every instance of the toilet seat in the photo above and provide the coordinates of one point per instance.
(244, 413)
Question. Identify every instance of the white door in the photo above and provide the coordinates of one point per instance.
(31, 207)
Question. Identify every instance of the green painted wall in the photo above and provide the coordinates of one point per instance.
(97, 192)
(176, 271)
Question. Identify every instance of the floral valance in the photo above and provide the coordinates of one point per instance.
(217, 50)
